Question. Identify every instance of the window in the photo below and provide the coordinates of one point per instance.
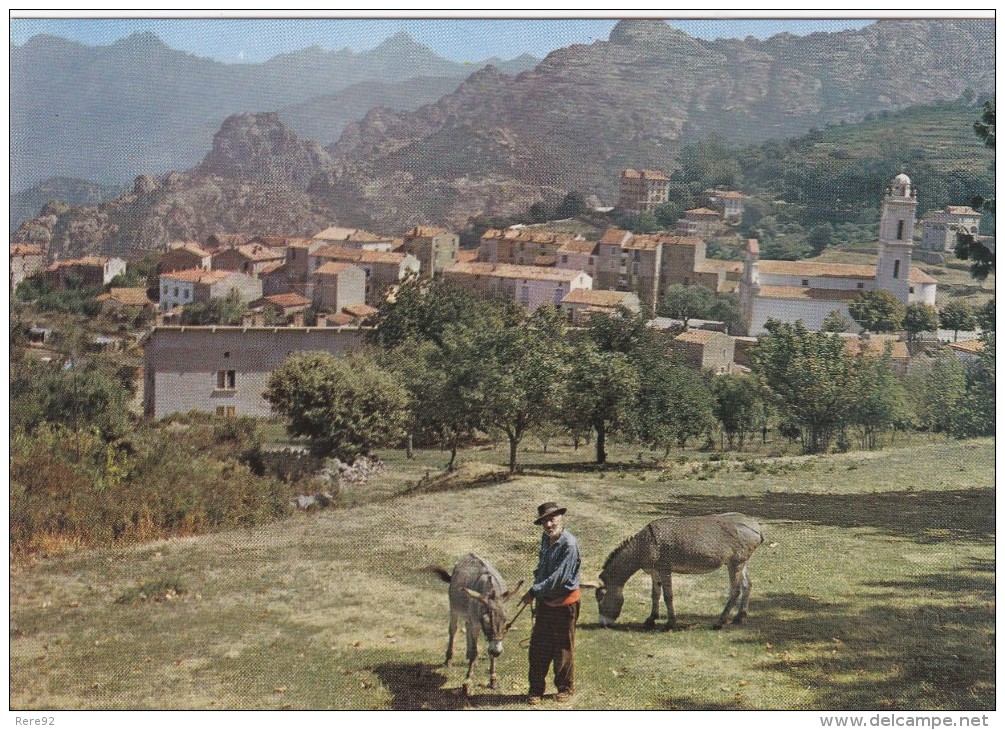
(896, 269)
(187, 294)
(227, 411)
(806, 282)
(900, 233)
(911, 290)
(165, 290)
(558, 295)
(176, 292)
(226, 379)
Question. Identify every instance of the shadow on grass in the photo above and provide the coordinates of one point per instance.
(925, 517)
(879, 653)
(419, 686)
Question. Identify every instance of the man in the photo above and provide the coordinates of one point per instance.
(556, 588)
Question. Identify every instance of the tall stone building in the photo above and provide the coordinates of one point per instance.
(642, 190)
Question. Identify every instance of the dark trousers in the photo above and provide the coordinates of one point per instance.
(553, 639)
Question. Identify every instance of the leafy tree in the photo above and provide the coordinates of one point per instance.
(344, 407)
(686, 302)
(836, 322)
(810, 376)
(539, 212)
(624, 331)
(600, 390)
(957, 315)
(522, 369)
(879, 399)
(877, 311)
(985, 316)
(920, 317)
(967, 246)
(934, 389)
(736, 405)
(974, 414)
(226, 311)
(821, 236)
(572, 205)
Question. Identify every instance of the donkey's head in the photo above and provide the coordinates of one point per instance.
(610, 599)
(492, 615)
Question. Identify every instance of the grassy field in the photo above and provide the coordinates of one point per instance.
(875, 589)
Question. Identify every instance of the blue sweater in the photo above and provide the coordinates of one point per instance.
(557, 572)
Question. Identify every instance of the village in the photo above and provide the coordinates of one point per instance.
(319, 293)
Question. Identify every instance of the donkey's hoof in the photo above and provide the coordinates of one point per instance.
(740, 618)
(466, 689)
(670, 626)
(650, 623)
(494, 683)
(717, 626)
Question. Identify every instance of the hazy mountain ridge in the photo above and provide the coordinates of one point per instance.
(108, 113)
(587, 111)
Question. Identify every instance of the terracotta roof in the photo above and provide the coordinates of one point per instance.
(272, 268)
(973, 347)
(190, 246)
(843, 271)
(615, 236)
(287, 300)
(360, 311)
(339, 233)
(733, 195)
(596, 297)
(333, 267)
(341, 253)
(717, 265)
(83, 261)
(278, 241)
(700, 337)
(126, 295)
(512, 271)
(581, 247)
(802, 292)
(424, 231)
(467, 256)
(647, 174)
(25, 249)
(961, 210)
(340, 319)
(702, 212)
(545, 261)
(198, 276)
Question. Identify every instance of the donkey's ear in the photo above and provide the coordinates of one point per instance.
(509, 594)
(475, 595)
(591, 584)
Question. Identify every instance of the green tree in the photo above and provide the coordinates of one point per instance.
(934, 389)
(879, 400)
(221, 311)
(600, 387)
(985, 316)
(810, 377)
(686, 302)
(737, 400)
(957, 315)
(920, 317)
(974, 414)
(573, 204)
(836, 322)
(877, 311)
(344, 407)
(968, 247)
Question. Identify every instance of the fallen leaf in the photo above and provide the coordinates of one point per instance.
(280, 689)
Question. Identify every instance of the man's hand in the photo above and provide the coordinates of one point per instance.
(528, 597)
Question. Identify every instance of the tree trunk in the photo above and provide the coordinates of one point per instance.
(408, 447)
(453, 454)
(601, 440)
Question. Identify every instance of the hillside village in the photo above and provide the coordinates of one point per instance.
(321, 292)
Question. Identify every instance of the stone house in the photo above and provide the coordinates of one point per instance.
(337, 284)
(119, 299)
(642, 190)
(435, 248)
(383, 269)
(275, 280)
(25, 260)
(249, 259)
(89, 271)
(529, 286)
(179, 288)
(729, 203)
(581, 304)
(282, 305)
(355, 238)
(939, 228)
(704, 349)
(521, 246)
(225, 370)
(298, 264)
(700, 222)
(578, 255)
(183, 256)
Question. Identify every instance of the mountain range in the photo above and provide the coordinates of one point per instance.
(498, 142)
(108, 113)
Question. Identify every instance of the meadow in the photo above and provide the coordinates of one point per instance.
(874, 590)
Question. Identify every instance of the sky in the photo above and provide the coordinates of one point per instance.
(253, 40)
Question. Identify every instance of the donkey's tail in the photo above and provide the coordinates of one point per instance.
(444, 575)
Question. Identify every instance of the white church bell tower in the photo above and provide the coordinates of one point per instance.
(896, 238)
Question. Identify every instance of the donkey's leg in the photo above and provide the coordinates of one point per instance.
(472, 637)
(654, 614)
(450, 640)
(493, 679)
(667, 580)
(735, 572)
(745, 584)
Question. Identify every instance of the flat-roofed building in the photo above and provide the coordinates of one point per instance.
(642, 190)
(435, 248)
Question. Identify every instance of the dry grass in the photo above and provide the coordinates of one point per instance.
(875, 590)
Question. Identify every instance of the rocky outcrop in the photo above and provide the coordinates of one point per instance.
(259, 148)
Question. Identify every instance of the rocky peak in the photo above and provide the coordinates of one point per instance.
(258, 147)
